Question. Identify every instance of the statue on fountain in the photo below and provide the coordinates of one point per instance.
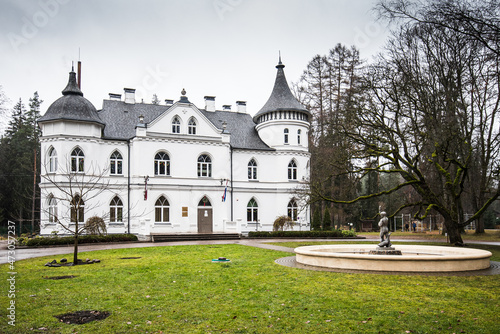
(385, 240)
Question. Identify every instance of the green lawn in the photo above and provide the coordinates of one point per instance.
(177, 289)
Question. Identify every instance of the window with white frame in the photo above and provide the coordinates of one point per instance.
(204, 166)
(176, 125)
(77, 209)
(116, 210)
(285, 133)
(77, 160)
(252, 170)
(52, 210)
(162, 164)
(162, 210)
(292, 170)
(52, 160)
(192, 126)
(252, 211)
(116, 164)
(292, 210)
(299, 132)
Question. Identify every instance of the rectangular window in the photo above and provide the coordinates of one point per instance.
(184, 211)
(157, 214)
(112, 215)
(166, 217)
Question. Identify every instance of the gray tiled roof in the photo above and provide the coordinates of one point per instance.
(281, 97)
(122, 118)
(72, 106)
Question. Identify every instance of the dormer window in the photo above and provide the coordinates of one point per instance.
(176, 125)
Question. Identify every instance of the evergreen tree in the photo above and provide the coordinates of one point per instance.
(316, 223)
(19, 176)
(327, 220)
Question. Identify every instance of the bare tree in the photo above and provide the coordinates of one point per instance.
(431, 114)
(77, 192)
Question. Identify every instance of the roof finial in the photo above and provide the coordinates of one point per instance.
(183, 92)
(280, 64)
(72, 66)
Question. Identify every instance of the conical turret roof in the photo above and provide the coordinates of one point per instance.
(281, 97)
(72, 106)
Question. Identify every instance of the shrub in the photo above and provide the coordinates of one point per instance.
(95, 225)
(316, 223)
(327, 220)
(282, 222)
(83, 239)
(303, 234)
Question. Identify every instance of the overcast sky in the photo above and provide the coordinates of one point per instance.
(222, 48)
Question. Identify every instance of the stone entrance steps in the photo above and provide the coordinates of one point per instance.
(195, 236)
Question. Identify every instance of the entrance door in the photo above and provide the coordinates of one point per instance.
(205, 221)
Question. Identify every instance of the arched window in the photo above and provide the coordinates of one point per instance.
(77, 209)
(298, 136)
(77, 160)
(204, 202)
(176, 125)
(292, 170)
(162, 164)
(204, 166)
(162, 210)
(52, 160)
(52, 209)
(192, 126)
(116, 164)
(292, 210)
(285, 132)
(252, 170)
(116, 210)
(252, 211)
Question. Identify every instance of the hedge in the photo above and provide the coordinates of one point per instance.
(303, 234)
(83, 239)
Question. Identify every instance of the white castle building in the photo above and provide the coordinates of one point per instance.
(174, 167)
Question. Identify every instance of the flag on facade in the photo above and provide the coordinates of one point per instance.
(225, 193)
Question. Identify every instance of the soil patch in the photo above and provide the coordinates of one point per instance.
(82, 317)
(130, 258)
(59, 277)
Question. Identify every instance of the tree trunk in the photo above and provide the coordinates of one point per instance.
(453, 231)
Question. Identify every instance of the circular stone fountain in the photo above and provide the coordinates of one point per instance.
(414, 258)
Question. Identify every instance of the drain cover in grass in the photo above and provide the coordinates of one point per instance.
(82, 317)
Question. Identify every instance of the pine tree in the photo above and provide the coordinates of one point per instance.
(327, 220)
(316, 223)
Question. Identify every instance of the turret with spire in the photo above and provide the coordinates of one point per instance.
(283, 121)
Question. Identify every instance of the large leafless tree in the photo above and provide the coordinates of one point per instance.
(431, 107)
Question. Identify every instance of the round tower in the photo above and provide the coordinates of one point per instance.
(283, 122)
(71, 114)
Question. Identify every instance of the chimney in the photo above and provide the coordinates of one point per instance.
(129, 95)
(168, 102)
(242, 106)
(79, 74)
(226, 107)
(115, 97)
(210, 103)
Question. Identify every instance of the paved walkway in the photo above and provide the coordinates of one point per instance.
(28, 253)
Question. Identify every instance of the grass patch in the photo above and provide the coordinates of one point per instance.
(177, 289)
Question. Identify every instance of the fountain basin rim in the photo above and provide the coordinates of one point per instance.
(428, 252)
(443, 259)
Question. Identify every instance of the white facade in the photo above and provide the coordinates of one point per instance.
(161, 163)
